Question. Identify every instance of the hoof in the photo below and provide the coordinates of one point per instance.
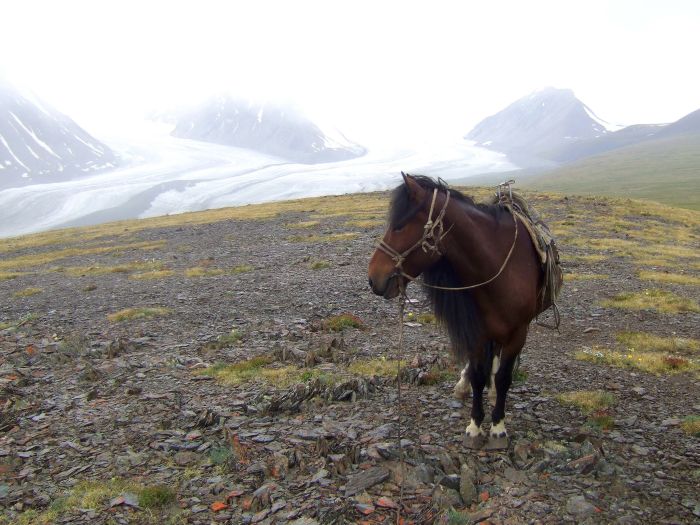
(462, 390)
(473, 430)
(474, 442)
(497, 443)
(499, 430)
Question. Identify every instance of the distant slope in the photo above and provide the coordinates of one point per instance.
(665, 170)
(39, 144)
(533, 126)
(272, 130)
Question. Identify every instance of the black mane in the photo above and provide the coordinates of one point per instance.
(403, 209)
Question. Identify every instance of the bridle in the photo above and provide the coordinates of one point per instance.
(433, 233)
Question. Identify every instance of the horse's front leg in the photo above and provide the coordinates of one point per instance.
(477, 377)
(503, 379)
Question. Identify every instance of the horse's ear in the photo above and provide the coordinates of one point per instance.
(414, 189)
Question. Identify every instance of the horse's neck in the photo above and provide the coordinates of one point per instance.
(474, 250)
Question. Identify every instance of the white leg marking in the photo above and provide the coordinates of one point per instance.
(463, 387)
(492, 385)
(473, 430)
(499, 430)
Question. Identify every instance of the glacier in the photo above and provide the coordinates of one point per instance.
(160, 175)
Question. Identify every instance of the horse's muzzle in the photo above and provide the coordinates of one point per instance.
(387, 289)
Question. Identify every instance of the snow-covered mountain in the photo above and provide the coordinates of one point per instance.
(39, 144)
(533, 127)
(266, 128)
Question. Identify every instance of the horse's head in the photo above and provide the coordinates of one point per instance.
(410, 243)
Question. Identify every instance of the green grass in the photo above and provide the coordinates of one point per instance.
(129, 314)
(95, 495)
(661, 170)
(659, 300)
(156, 496)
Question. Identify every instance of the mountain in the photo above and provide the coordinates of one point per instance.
(664, 169)
(39, 144)
(266, 128)
(533, 127)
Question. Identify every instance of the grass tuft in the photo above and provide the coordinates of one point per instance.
(375, 367)
(691, 425)
(588, 401)
(673, 278)
(153, 274)
(574, 276)
(320, 265)
(338, 323)
(652, 362)
(156, 496)
(242, 268)
(659, 300)
(27, 292)
(646, 342)
(200, 271)
(129, 314)
(223, 341)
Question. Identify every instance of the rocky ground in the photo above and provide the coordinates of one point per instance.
(107, 421)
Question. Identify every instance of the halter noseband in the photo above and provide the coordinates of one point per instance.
(433, 233)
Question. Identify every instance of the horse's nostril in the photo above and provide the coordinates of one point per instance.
(370, 282)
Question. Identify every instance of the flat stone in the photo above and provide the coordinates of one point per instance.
(578, 506)
(365, 479)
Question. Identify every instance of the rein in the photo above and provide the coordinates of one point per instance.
(434, 231)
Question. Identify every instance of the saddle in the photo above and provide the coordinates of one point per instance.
(544, 243)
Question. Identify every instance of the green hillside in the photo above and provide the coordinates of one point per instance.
(664, 170)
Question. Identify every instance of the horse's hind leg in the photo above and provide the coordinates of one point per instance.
(503, 379)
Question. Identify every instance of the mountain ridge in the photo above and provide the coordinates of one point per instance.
(38, 144)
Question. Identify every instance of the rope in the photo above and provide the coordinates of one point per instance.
(471, 286)
(402, 304)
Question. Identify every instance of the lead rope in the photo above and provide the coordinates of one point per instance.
(402, 305)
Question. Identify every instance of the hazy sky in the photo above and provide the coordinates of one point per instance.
(375, 69)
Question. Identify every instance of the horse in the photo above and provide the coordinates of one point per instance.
(482, 274)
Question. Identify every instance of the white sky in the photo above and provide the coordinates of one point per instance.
(378, 70)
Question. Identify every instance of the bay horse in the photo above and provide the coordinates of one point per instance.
(481, 272)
